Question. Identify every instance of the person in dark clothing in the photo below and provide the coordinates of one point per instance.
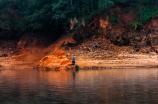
(73, 61)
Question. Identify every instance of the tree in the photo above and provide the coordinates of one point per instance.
(54, 14)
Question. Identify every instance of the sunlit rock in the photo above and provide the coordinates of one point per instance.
(55, 61)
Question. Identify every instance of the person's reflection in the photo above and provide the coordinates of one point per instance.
(74, 77)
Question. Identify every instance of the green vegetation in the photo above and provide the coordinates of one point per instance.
(53, 15)
(114, 19)
(47, 14)
(136, 22)
(145, 9)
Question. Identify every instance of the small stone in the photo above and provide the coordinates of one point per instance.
(153, 53)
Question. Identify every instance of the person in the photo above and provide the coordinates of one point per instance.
(73, 61)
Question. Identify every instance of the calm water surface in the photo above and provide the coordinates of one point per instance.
(109, 86)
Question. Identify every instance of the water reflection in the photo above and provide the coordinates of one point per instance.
(74, 76)
(110, 86)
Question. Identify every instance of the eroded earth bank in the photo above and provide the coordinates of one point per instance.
(99, 44)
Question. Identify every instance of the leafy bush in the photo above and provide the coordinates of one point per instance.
(114, 19)
(136, 22)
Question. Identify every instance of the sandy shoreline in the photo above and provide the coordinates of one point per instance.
(9, 63)
(123, 61)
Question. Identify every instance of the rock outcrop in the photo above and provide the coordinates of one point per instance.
(55, 61)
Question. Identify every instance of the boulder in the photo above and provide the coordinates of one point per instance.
(55, 61)
(153, 53)
(4, 55)
(115, 36)
(154, 41)
(138, 38)
(145, 49)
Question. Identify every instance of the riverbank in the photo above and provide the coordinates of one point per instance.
(123, 61)
(97, 44)
(92, 54)
(10, 63)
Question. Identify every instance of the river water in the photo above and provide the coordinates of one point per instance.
(109, 86)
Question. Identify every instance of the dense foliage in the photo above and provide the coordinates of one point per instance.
(55, 14)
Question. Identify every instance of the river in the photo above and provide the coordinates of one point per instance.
(109, 86)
